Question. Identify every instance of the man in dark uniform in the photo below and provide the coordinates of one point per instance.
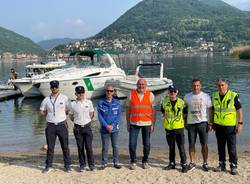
(54, 107)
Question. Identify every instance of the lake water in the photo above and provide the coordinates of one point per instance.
(21, 128)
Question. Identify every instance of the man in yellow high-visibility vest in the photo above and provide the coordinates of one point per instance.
(227, 122)
(172, 110)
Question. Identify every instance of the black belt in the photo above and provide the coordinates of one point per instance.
(59, 123)
(83, 126)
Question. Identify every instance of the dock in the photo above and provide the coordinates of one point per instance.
(9, 94)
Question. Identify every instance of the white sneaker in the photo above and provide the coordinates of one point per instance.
(47, 170)
(145, 165)
(132, 166)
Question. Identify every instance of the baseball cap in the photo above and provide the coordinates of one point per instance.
(54, 83)
(172, 87)
(79, 89)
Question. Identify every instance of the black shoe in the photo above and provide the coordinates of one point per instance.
(67, 169)
(220, 168)
(117, 166)
(82, 168)
(103, 166)
(92, 168)
(46, 170)
(169, 167)
(184, 168)
(233, 170)
(205, 167)
(191, 166)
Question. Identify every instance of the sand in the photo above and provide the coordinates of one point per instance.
(26, 167)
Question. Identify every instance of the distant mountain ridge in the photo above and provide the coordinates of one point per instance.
(182, 22)
(16, 43)
(51, 43)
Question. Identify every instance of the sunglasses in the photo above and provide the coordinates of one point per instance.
(110, 91)
(172, 91)
(52, 87)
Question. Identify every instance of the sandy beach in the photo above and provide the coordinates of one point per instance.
(26, 167)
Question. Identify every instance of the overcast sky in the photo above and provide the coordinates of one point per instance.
(46, 19)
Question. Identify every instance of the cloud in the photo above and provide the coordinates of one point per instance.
(76, 22)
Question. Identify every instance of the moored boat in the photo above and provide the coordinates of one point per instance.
(151, 72)
(25, 84)
(93, 69)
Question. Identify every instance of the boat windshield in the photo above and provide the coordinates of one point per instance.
(149, 71)
(97, 62)
(30, 72)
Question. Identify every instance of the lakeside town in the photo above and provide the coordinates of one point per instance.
(123, 46)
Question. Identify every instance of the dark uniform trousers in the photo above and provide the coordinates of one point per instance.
(51, 132)
(177, 136)
(84, 138)
(226, 135)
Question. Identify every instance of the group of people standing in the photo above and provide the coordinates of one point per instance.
(81, 112)
(197, 113)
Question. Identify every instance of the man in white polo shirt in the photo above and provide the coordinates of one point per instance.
(82, 113)
(54, 107)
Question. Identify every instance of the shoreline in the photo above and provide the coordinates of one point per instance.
(26, 167)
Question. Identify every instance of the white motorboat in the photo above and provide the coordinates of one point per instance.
(41, 68)
(151, 72)
(25, 84)
(95, 68)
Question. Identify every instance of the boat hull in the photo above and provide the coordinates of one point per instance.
(94, 86)
(124, 86)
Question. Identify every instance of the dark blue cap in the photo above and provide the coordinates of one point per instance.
(79, 89)
(54, 83)
(172, 88)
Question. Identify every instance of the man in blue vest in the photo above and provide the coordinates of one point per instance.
(228, 121)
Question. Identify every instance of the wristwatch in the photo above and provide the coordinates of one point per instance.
(240, 123)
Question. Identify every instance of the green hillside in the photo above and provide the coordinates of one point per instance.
(182, 23)
(15, 43)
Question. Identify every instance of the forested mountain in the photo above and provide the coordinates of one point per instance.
(50, 44)
(182, 23)
(15, 43)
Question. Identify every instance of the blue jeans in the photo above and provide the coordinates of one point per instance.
(105, 147)
(133, 136)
